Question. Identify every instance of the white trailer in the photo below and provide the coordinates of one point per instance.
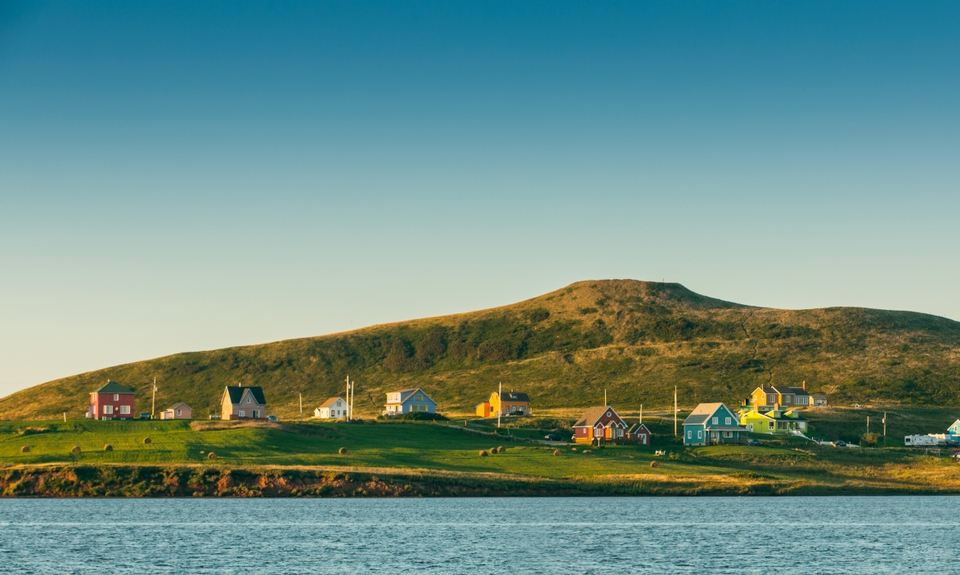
(929, 440)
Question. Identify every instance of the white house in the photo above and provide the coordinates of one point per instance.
(333, 408)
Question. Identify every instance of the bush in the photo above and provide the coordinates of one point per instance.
(870, 439)
(420, 416)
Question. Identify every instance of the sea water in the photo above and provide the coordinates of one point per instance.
(606, 535)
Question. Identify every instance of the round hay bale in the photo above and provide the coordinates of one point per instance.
(25, 449)
(342, 451)
(493, 450)
(501, 449)
(483, 453)
(211, 455)
(147, 441)
(573, 449)
(107, 447)
(654, 464)
(586, 451)
(556, 452)
(76, 449)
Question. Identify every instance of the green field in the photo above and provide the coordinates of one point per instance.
(447, 449)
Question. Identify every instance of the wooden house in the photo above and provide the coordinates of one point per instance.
(112, 401)
(505, 403)
(333, 408)
(638, 433)
(178, 411)
(773, 421)
(765, 398)
(409, 401)
(243, 402)
(598, 425)
(711, 423)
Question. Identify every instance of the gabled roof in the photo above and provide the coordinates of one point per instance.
(405, 395)
(637, 428)
(784, 389)
(514, 396)
(330, 401)
(591, 416)
(702, 413)
(236, 393)
(176, 405)
(114, 387)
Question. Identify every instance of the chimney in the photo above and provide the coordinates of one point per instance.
(804, 385)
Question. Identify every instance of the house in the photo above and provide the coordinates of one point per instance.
(954, 430)
(773, 421)
(333, 408)
(505, 403)
(178, 411)
(639, 433)
(409, 401)
(243, 402)
(819, 400)
(711, 423)
(112, 401)
(768, 397)
(599, 424)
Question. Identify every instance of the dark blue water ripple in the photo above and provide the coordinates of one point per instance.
(716, 535)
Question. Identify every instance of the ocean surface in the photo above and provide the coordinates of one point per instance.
(483, 536)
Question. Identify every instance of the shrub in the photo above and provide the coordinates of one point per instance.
(420, 416)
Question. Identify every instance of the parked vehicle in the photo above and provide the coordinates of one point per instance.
(553, 437)
(840, 444)
(271, 418)
(754, 442)
(144, 415)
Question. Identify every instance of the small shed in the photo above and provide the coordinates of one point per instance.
(178, 411)
(638, 433)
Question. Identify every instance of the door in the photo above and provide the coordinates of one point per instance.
(255, 413)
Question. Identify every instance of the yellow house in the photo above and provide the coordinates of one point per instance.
(770, 397)
(773, 421)
(506, 403)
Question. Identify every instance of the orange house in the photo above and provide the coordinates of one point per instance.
(506, 403)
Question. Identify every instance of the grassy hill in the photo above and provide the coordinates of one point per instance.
(635, 339)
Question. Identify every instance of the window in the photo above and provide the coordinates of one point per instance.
(699, 434)
(116, 397)
(418, 397)
(521, 409)
(689, 435)
(248, 400)
(124, 410)
(179, 412)
(108, 409)
(727, 421)
(716, 420)
(728, 434)
(513, 408)
(770, 425)
(242, 413)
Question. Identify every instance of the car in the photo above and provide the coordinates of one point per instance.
(271, 418)
(841, 444)
(553, 437)
(144, 415)
(754, 442)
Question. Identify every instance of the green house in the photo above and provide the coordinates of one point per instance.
(774, 421)
(711, 423)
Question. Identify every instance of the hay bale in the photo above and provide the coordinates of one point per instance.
(76, 449)
(493, 450)
(573, 449)
(654, 464)
(556, 452)
(483, 453)
(586, 451)
(147, 441)
(107, 447)
(501, 449)
(342, 451)
(211, 455)
(25, 449)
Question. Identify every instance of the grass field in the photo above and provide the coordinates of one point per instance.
(785, 465)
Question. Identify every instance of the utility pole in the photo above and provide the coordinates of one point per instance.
(153, 402)
(349, 407)
(674, 411)
(868, 425)
(884, 428)
(641, 413)
(605, 397)
(499, 403)
(301, 407)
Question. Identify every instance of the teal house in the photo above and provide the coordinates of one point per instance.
(710, 424)
(954, 431)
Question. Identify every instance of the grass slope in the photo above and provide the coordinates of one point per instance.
(399, 451)
(635, 339)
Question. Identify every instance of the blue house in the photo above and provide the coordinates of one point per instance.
(954, 431)
(711, 423)
(409, 401)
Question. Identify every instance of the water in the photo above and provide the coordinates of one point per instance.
(491, 536)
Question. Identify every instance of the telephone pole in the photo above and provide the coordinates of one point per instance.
(349, 405)
(499, 403)
(153, 402)
(674, 411)
(301, 407)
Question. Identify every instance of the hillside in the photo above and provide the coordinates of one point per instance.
(635, 339)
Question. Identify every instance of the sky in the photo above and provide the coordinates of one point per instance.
(180, 176)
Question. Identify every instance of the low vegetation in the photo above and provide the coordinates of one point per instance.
(634, 339)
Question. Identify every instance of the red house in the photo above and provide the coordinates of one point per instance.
(112, 401)
(599, 424)
(638, 433)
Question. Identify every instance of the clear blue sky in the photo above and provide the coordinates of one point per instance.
(191, 175)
